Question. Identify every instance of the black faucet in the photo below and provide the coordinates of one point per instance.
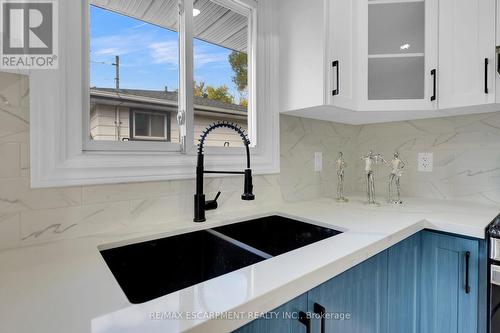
(200, 205)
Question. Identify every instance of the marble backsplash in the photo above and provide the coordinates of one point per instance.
(30, 216)
(466, 151)
(466, 154)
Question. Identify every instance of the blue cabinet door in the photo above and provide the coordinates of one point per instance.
(403, 286)
(354, 300)
(446, 306)
(418, 285)
(281, 320)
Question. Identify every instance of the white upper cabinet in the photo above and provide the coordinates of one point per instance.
(393, 59)
(342, 51)
(302, 54)
(466, 52)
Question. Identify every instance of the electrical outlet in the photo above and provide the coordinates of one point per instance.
(425, 162)
(318, 161)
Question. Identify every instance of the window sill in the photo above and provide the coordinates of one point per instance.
(94, 169)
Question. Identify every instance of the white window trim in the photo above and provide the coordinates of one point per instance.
(56, 101)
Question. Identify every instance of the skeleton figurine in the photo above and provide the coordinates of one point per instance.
(397, 166)
(371, 159)
(341, 165)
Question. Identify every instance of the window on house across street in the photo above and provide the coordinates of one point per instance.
(150, 126)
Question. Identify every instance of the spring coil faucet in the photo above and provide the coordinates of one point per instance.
(200, 205)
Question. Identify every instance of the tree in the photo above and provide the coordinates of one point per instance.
(220, 94)
(200, 90)
(239, 64)
(243, 102)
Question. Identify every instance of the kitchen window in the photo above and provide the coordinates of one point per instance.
(134, 60)
(143, 82)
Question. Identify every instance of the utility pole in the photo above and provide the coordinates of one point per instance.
(117, 77)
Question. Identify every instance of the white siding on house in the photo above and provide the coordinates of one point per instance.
(109, 123)
(104, 126)
(221, 135)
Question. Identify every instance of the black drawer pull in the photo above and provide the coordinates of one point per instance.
(305, 320)
(467, 259)
(486, 62)
(321, 311)
(336, 91)
(433, 73)
(498, 63)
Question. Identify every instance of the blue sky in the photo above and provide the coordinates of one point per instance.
(148, 55)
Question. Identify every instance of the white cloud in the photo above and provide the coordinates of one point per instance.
(140, 25)
(202, 59)
(118, 44)
(139, 49)
(108, 51)
(165, 52)
(203, 56)
(168, 53)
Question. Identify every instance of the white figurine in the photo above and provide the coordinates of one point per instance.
(341, 165)
(397, 166)
(371, 159)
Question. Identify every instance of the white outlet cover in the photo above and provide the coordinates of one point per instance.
(318, 161)
(425, 162)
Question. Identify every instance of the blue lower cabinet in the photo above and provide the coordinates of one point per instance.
(449, 277)
(354, 300)
(281, 320)
(428, 283)
(403, 286)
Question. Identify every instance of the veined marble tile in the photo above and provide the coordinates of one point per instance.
(14, 111)
(13, 89)
(16, 195)
(9, 231)
(10, 157)
(12, 127)
(25, 160)
(21, 137)
(62, 223)
(135, 191)
(161, 209)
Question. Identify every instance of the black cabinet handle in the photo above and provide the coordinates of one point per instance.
(336, 65)
(467, 259)
(321, 311)
(486, 62)
(433, 73)
(498, 63)
(305, 320)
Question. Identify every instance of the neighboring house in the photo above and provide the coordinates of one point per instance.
(130, 114)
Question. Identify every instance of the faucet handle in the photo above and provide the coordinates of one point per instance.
(212, 204)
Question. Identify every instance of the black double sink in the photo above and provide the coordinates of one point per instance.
(158, 267)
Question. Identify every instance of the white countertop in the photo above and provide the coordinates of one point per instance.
(67, 287)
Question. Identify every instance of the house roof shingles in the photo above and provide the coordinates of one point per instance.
(171, 96)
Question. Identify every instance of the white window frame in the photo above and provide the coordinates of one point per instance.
(58, 98)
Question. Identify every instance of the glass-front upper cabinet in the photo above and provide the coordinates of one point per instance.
(400, 55)
(396, 50)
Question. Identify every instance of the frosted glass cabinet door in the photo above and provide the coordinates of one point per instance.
(401, 52)
(396, 28)
(396, 78)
